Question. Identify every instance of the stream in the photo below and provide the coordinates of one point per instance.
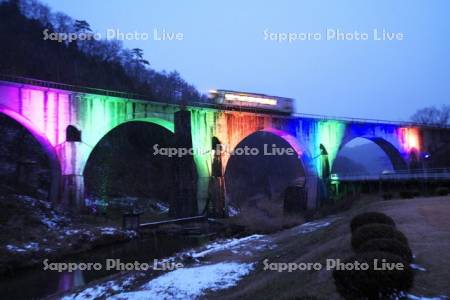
(35, 283)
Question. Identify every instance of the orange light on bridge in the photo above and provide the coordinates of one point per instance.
(410, 139)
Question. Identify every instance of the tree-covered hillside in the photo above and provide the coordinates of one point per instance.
(90, 62)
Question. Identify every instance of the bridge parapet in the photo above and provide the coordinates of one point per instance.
(402, 175)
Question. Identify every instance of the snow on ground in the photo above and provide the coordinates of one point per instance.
(28, 247)
(114, 230)
(193, 282)
(244, 246)
(100, 290)
(311, 226)
(130, 233)
(54, 221)
(234, 245)
(47, 215)
(412, 297)
(417, 267)
(13, 248)
(232, 211)
(94, 292)
(71, 231)
(32, 246)
(190, 283)
(108, 230)
(52, 224)
(162, 207)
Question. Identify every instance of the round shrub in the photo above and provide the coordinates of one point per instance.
(387, 245)
(370, 218)
(376, 231)
(374, 284)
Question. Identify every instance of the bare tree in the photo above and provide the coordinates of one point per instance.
(432, 115)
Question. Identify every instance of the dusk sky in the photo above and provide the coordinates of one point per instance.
(224, 46)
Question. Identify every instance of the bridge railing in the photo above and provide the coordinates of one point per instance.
(420, 174)
(137, 97)
(129, 95)
(367, 120)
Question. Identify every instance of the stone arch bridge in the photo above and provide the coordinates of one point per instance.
(69, 122)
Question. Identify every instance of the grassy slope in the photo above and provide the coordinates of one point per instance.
(425, 221)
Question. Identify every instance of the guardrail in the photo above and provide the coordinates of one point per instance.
(367, 120)
(135, 96)
(174, 221)
(425, 174)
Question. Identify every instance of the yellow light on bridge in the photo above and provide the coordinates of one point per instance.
(251, 99)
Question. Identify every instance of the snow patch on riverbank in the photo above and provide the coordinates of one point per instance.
(312, 226)
(101, 290)
(234, 245)
(412, 297)
(94, 292)
(191, 283)
(203, 276)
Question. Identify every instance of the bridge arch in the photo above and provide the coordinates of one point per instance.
(163, 130)
(394, 155)
(302, 158)
(41, 138)
(157, 121)
(92, 141)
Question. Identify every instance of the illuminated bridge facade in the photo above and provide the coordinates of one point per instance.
(54, 114)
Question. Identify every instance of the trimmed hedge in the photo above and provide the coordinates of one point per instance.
(387, 245)
(376, 231)
(370, 218)
(373, 284)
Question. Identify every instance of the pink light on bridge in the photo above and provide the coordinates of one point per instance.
(33, 107)
(51, 118)
(47, 110)
(288, 138)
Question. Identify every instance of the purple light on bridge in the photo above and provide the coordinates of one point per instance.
(288, 138)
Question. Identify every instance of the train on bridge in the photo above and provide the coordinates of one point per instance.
(234, 99)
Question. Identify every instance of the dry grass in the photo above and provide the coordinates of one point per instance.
(423, 220)
(262, 215)
(24, 220)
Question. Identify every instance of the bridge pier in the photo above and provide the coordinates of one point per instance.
(72, 157)
(184, 199)
(72, 191)
(312, 192)
(216, 186)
